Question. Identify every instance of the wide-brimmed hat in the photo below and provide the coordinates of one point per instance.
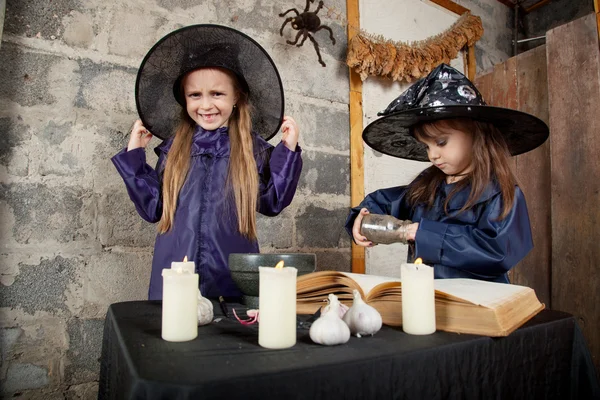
(446, 93)
(158, 91)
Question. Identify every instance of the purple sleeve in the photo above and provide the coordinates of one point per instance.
(279, 176)
(142, 182)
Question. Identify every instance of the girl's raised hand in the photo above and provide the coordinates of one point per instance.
(140, 137)
(358, 238)
(290, 131)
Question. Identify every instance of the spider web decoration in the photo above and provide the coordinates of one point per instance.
(154, 97)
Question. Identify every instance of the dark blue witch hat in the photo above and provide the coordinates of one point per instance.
(446, 93)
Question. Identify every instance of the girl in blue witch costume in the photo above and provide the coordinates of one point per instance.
(469, 217)
(215, 168)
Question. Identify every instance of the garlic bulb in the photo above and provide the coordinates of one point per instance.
(329, 329)
(361, 318)
(341, 310)
(205, 310)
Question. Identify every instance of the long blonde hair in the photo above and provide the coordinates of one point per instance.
(490, 160)
(242, 176)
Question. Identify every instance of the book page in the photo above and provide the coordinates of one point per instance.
(317, 285)
(483, 293)
(368, 282)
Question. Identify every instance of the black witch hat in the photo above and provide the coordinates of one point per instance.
(446, 93)
(158, 86)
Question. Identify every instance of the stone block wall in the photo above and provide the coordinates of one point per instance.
(71, 241)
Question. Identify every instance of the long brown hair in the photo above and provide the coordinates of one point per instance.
(242, 177)
(490, 160)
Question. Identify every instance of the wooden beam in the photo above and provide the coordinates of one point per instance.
(536, 6)
(452, 6)
(597, 9)
(357, 179)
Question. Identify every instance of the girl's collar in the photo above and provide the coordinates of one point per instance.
(461, 177)
(215, 142)
(459, 199)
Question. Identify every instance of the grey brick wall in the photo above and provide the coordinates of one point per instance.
(72, 243)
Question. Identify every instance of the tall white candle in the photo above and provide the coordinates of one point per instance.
(186, 265)
(418, 299)
(277, 307)
(179, 305)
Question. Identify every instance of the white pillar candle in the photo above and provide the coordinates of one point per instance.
(186, 265)
(179, 305)
(418, 299)
(277, 307)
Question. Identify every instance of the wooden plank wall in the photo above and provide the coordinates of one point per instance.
(520, 83)
(574, 102)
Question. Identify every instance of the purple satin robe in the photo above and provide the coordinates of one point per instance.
(205, 226)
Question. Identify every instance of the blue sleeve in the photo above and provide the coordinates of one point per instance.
(142, 182)
(279, 176)
(488, 247)
(390, 201)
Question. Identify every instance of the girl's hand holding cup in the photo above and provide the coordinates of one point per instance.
(358, 237)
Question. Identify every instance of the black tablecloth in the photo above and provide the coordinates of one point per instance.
(545, 359)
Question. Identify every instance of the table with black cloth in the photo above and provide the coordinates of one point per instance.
(547, 358)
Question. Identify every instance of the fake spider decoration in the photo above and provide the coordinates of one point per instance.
(306, 23)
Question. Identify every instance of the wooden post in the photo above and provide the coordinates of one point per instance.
(357, 180)
(471, 63)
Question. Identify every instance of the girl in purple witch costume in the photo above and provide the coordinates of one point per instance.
(215, 168)
(466, 215)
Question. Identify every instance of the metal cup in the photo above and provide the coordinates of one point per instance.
(383, 229)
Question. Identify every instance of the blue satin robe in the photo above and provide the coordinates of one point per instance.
(205, 227)
(471, 244)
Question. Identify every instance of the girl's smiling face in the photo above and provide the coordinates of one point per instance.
(209, 96)
(449, 149)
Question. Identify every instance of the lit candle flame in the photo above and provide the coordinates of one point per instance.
(279, 265)
(419, 261)
(185, 259)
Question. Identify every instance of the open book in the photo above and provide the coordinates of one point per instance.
(461, 305)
